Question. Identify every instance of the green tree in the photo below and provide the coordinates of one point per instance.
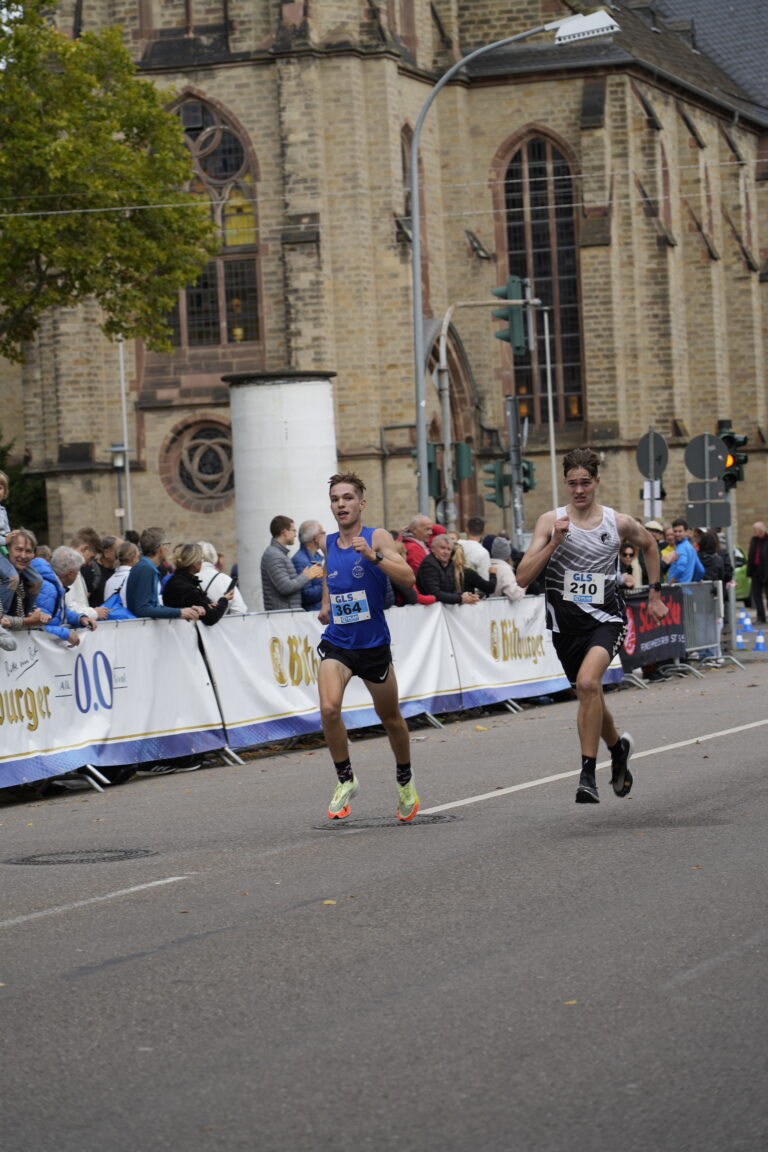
(92, 177)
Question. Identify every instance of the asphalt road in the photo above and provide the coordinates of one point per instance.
(512, 972)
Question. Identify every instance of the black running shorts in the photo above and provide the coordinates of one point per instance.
(367, 663)
(572, 647)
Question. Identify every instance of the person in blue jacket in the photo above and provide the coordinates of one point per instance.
(356, 641)
(311, 541)
(142, 596)
(686, 568)
(58, 575)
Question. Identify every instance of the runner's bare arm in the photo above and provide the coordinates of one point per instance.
(548, 534)
(629, 529)
(393, 565)
(324, 615)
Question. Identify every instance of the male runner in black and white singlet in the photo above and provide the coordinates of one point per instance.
(577, 547)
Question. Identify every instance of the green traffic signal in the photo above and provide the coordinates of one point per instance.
(515, 331)
(529, 475)
(495, 482)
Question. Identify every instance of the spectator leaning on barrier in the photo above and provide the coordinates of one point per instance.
(506, 580)
(311, 541)
(127, 556)
(281, 585)
(142, 587)
(183, 589)
(215, 583)
(476, 557)
(414, 540)
(88, 543)
(58, 577)
(444, 575)
(9, 576)
(685, 566)
(23, 611)
(757, 568)
(105, 566)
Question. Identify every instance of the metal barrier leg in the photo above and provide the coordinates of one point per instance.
(513, 706)
(93, 776)
(678, 669)
(633, 679)
(433, 720)
(228, 756)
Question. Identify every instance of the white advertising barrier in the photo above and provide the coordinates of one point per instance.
(133, 690)
(142, 690)
(265, 670)
(503, 650)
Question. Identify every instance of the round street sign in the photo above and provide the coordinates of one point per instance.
(705, 456)
(652, 455)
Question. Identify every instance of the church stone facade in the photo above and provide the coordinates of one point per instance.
(626, 178)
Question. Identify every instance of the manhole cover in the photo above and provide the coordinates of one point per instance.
(84, 856)
(381, 822)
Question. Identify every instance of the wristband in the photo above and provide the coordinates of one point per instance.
(656, 587)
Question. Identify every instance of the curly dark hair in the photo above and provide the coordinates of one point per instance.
(581, 458)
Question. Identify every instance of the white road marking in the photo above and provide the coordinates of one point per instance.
(605, 764)
(93, 900)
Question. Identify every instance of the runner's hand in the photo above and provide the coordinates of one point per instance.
(324, 615)
(360, 544)
(657, 608)
(561, 529)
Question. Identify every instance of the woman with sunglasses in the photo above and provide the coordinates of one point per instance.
(629, 566)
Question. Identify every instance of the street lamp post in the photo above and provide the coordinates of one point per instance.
(126, 465)
(119, 452)
(568, 29)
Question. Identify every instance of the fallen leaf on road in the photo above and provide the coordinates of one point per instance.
(570, 1001)
(480, 728)
(329, 901)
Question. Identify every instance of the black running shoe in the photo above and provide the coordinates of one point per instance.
(586, 793)
(621, 777)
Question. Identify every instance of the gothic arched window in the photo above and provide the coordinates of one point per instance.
(222, 307)
(541, 242)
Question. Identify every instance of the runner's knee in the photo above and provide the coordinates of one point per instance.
(330, 711)
(587, 685)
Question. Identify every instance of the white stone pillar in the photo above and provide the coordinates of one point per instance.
(284, 451)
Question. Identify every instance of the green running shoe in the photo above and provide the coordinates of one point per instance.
(407, 801)
(338, 809)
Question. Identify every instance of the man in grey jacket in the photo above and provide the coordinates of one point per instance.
(281, 585)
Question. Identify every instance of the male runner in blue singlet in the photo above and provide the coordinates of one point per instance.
(577, 547)
(355, 642)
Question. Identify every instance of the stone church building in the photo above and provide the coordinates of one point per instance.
(626, 178)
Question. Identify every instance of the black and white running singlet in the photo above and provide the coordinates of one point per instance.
(581, 578)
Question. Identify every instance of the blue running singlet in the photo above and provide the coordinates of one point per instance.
(356, 588)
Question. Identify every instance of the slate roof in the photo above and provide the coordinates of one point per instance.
(648, 43)
(733, 33)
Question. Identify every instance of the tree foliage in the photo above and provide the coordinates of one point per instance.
(92, 176)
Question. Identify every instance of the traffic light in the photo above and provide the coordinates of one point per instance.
(515, 331)
(433, 475)
(734, 460)
(529, 475)
(495, 483)
(463, 463)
